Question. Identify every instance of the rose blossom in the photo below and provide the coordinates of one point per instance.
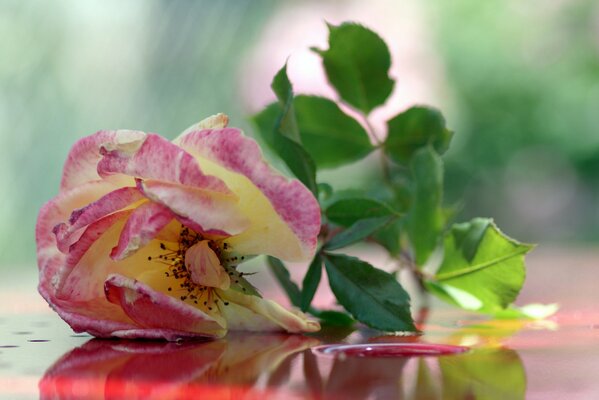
(145, 235)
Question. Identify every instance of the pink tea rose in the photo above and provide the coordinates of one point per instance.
(145, 235)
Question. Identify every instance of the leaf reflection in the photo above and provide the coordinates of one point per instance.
(490, 373)
(279, 366)
(234, 367)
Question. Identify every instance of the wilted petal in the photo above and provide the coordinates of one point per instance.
(153, 310)
(212, 213)
(143, 225)
(252, 313)
(91, 234)
(51, 262)
(217, 121)
(284, 215)
(204, 266)
(97, 316)
(81, 164)
(87, 264)
(153, 157)
(81, 217)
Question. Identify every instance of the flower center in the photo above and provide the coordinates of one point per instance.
(200, 268)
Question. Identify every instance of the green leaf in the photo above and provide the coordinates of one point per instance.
(325, 192)
(346, 212)
(413, 129)
(311, 281)
(284, 92)
(269, 123)
(358, 231)
(389, 237)
(371, 295)
(332, 317)
(332, 137)
(357, 65)
(482, 269)
(425, 219)
(282, 276)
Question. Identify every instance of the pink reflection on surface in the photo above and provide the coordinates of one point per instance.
(389, 350)
(126, 369)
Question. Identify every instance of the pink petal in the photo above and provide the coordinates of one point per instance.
(143, 225)
(81, 164)
(88, 264)
(84, 216)
(210, 212)
(93, 232)
(154, 311)
(153, 157)
(96, 317)
(291, 200)
(51, 262)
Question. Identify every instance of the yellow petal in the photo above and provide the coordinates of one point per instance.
(255, 314)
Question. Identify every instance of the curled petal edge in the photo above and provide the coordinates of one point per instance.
(158, 314)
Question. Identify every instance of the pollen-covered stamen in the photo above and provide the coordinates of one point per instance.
(199, 268)
(194, 269)
(204, 266)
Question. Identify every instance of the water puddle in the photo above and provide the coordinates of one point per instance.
(389, 350)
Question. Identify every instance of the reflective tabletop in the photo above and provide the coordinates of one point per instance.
(40, 357)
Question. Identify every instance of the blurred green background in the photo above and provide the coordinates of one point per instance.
(519, 83)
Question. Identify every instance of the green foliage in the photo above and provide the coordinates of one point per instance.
(371, 295)
(357, 64)
(294, 294)
(425, 219)
(346, 212)
(284, 91)
(482, 269)
(413, 129)
(357, 232)
(282, 275)
(479, 268)
(310, 283)
(331, 137)
(279, 130)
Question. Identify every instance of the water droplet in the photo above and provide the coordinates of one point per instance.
(389, 350)
(38, 340)
(22, 333)
(8, 346)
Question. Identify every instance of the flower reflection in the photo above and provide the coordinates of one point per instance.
(227, 368)
(279, 366)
